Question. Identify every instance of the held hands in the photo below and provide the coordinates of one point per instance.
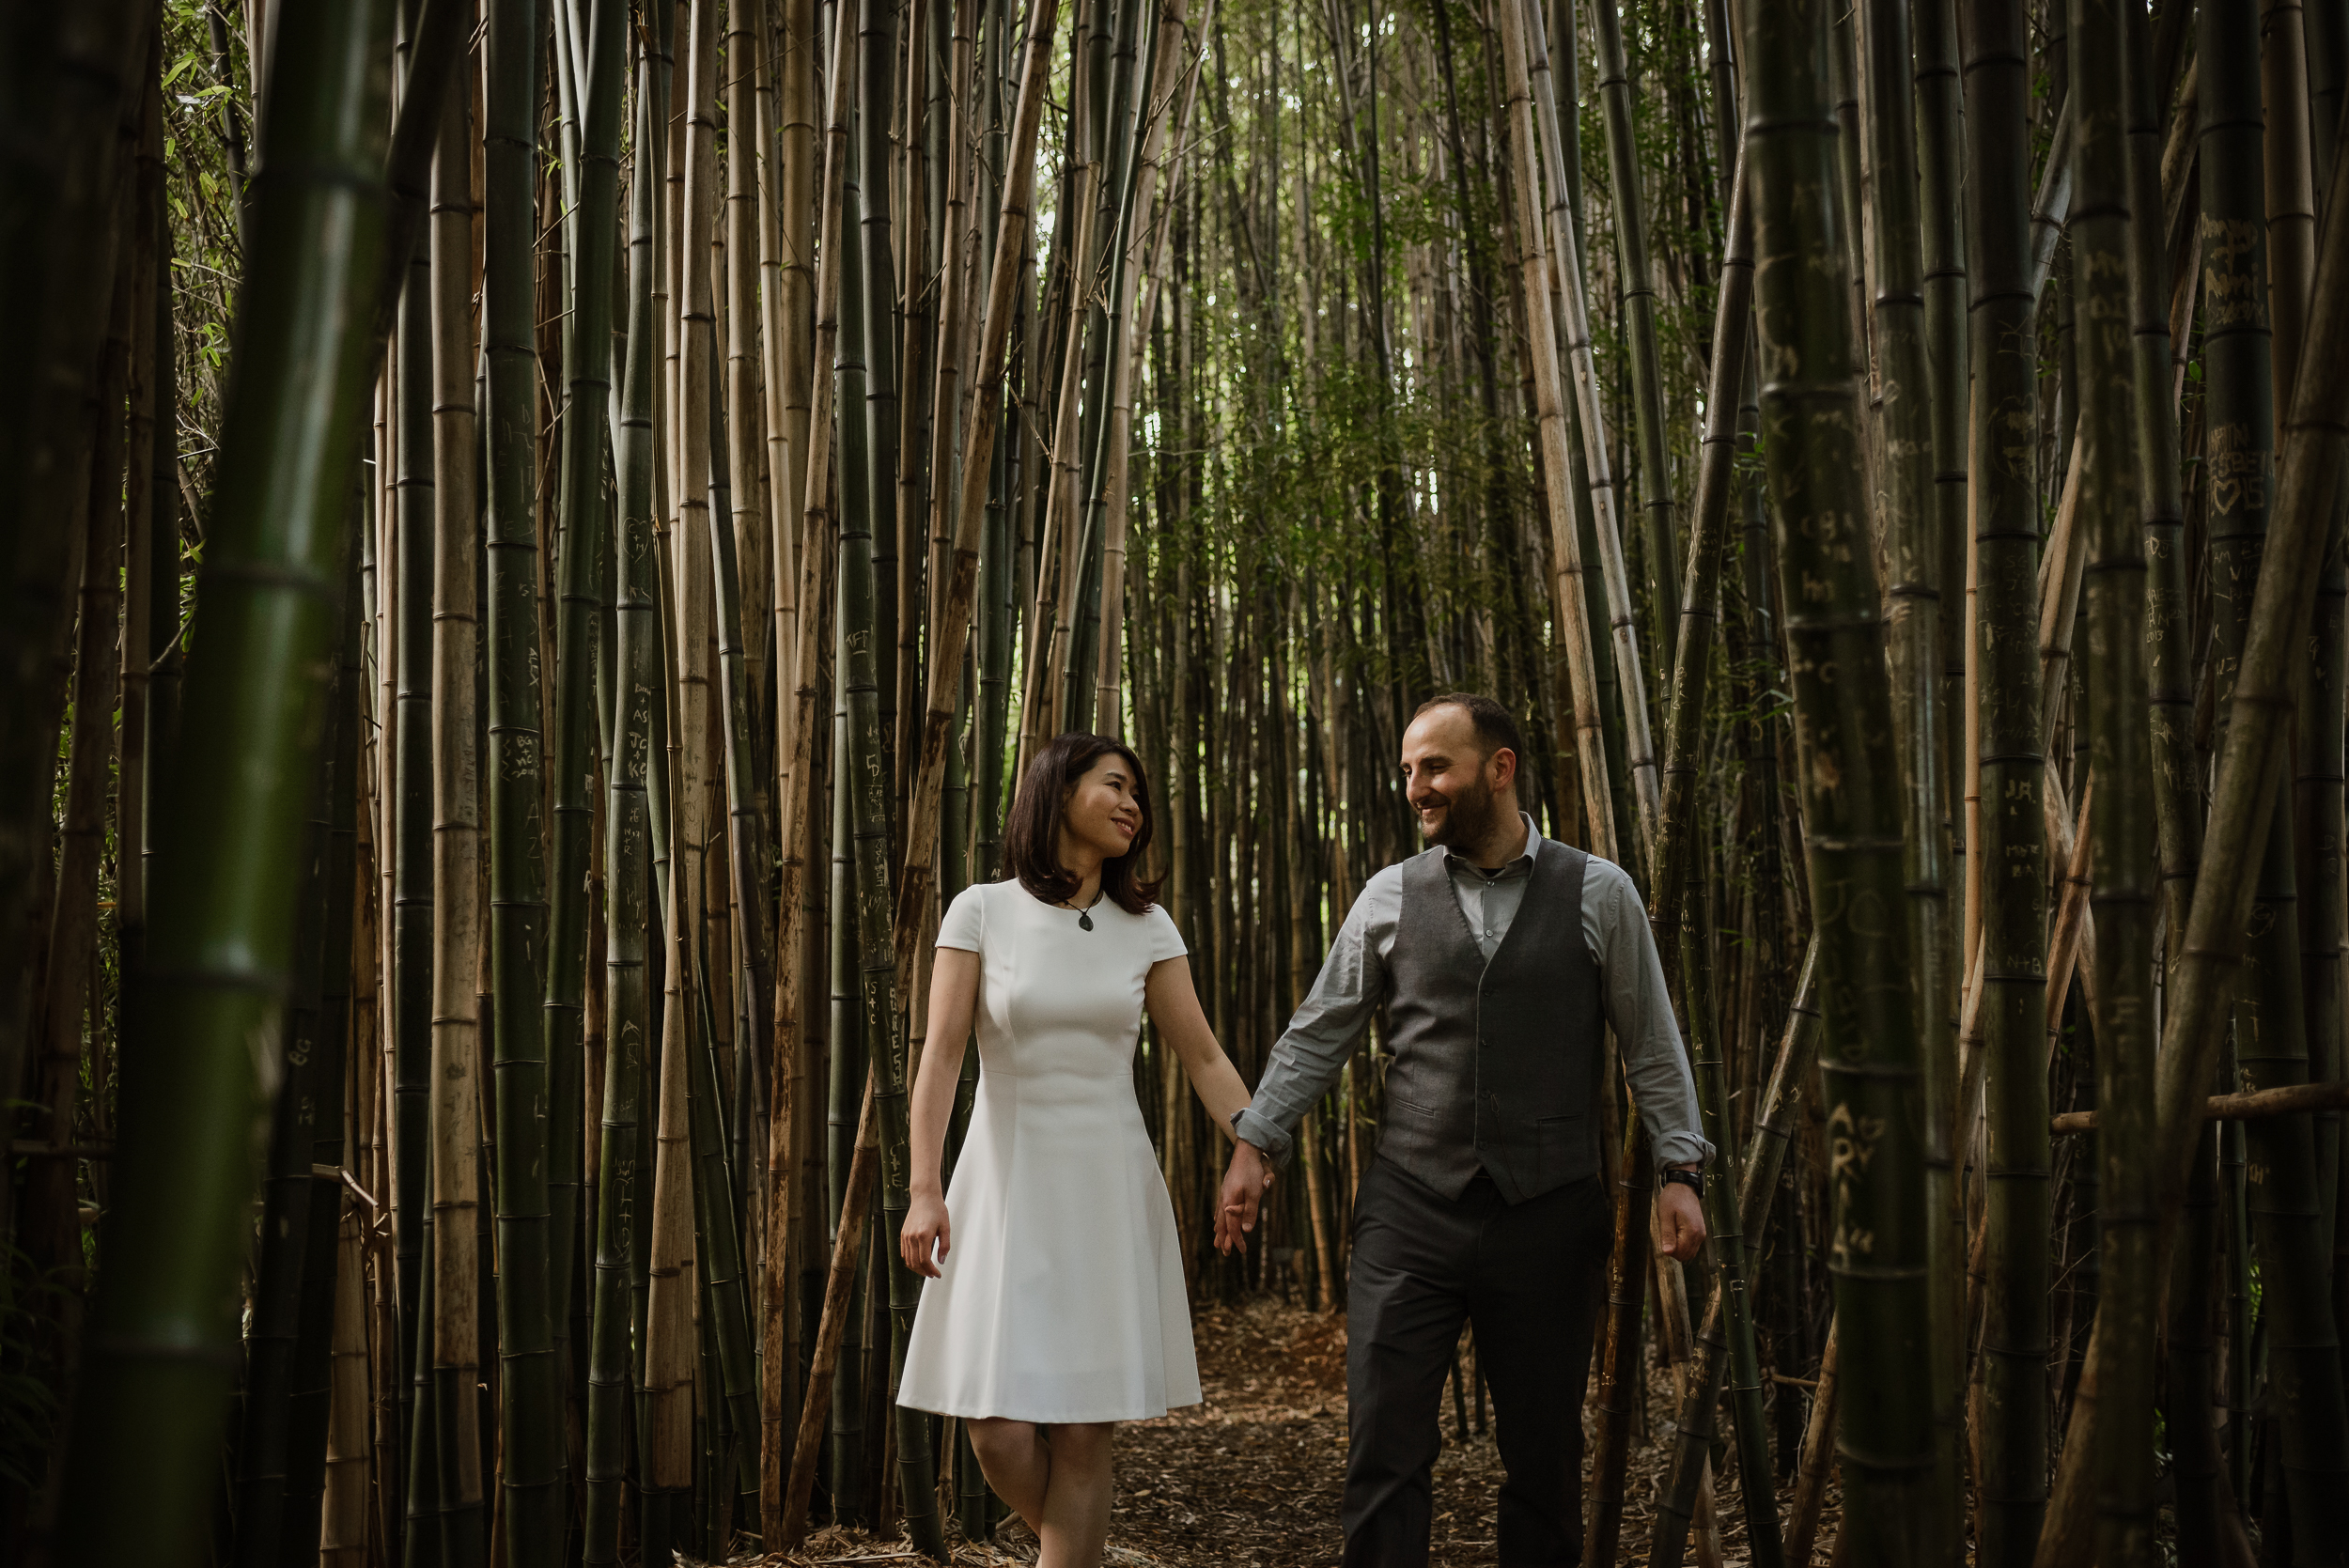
(1245, 1183)
(926, 1236)
(1679, 1221)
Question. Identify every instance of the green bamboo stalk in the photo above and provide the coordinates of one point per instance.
(2243, 797)
(141, 1466)
(530, 1456)
(2121, 849)
(1680, 892)
(725, 1312)
(1639, 305)
(620, 1219)
(420, 1533)
(2244, 271)
(264, 1451)
(306, 1440)
(2291, 71)
(69, 74)
(1940, 192)
(866, 643)
(2013, 846)
(992, 330)
(876, 240)
(1871, 1066)
(845, 1122)
(584, 437)
(791, 1120)
(1910, 428)
(2175, 775)
(1773, 1130)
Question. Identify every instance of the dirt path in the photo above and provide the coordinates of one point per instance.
(1250, 1477)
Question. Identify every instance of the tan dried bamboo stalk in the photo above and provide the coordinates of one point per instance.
(1141, 201)
(855, 1205)
(2296, 1100)
(1810, 1473)
(1058, 589)
(781, 495)
(457, 922)
(1565, 254)
(799, 598)
(672, 1349)
(747, 259)
(1566, 551)
(2061, 570)
(343, 1520)
(801, 788)
(916, 872)
(958, 246)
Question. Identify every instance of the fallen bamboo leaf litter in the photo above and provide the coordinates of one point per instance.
(1250, 1477)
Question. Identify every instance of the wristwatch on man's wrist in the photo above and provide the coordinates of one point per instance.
(1692, 1180)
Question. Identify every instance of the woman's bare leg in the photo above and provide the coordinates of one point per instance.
(1076, 1500)
(1015, 1461)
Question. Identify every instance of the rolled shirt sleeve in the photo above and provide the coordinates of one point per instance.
(1312, 1051)
(1639, 1009)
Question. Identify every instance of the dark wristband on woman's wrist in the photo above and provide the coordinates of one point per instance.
(1692, 1180)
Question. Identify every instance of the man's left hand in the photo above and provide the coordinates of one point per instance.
(1679, 1221)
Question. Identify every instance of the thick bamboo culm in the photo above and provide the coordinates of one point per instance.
(541, 535)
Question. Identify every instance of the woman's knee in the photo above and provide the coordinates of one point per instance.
(1081, 1440)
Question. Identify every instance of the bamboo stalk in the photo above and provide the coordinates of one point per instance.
(1564, 253)
(1638, 305)
(454, 1328)
(810, 314)
(1870, 1064)
(2011, 837)
(2122, 849)
(2242, 796)
(529, 1457)
(1773, 1131)
(1810, 1473)
(915, 873)
(1574, 630)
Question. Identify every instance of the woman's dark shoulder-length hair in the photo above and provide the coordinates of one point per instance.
(1031, 838)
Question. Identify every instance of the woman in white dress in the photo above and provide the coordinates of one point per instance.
(1056, 1306)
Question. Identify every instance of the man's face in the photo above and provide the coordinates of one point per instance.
(1447, 777)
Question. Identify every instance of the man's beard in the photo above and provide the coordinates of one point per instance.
(1468, 818)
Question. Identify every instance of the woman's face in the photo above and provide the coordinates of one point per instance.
(1102, 810)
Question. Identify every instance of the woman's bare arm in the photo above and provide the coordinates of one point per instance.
(1174, 1003)
(953, 997)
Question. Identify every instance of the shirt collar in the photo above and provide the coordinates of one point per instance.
(1455, 862)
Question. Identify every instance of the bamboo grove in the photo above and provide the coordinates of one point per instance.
(538, 534)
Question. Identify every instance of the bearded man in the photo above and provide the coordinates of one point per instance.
(1501, 957)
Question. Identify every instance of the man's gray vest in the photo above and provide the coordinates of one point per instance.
(1496, 1063)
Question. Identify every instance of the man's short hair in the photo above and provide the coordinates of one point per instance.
(1496, 726)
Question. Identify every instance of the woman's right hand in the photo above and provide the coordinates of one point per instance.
(926, 1235)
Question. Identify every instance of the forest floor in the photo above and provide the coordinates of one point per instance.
(1250, 1477)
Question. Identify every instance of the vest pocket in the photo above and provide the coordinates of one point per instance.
(1562, 1148)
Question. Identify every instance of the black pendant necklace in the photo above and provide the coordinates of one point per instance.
(1084, 916)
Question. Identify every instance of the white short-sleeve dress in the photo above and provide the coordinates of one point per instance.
(1062, 1297)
